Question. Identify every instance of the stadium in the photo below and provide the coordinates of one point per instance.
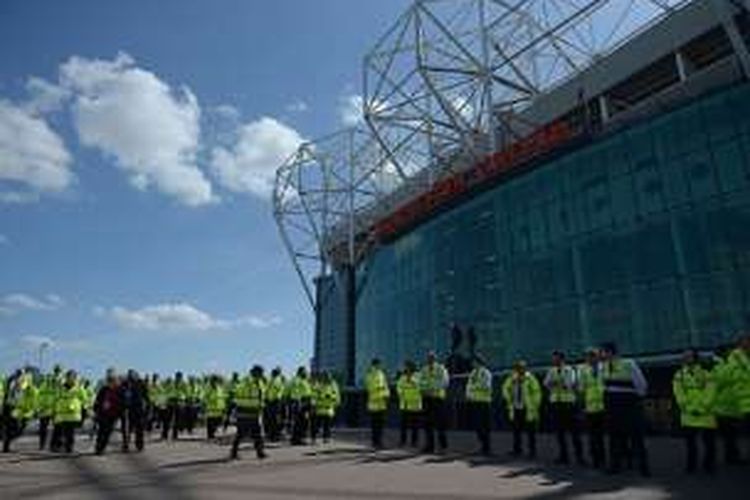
(551, 173)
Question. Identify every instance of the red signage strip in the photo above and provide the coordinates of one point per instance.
(490, 168)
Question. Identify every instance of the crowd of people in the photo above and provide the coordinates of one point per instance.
(600, 397)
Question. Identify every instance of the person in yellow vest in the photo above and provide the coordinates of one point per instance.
(378, 393)
(561, 385)
(19, 407)
(299, 392)
(178, 399)
(166, 415)
(624, 390)
(326, 400)
(727, 407)
(274, 412)
(434, 380)
(48, 389)
(739, 358)
(591, 387)
(523, 397)
(215, 403)
(409, 394)
(249, 401)
(68, 411)
(479, 397)
(695, 391)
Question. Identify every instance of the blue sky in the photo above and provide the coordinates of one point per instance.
(137, 142)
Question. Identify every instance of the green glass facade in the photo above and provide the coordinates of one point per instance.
(642, 237)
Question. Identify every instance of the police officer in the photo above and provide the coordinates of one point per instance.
(249, 399)
(409, 403)
(561, 383)
(591, 387)
(523, 397)
(727, 407)
(215, 402)
(68, 411)
(739, 358)
(300, 396)
(178, 404)
(694, 390)
(624, 388)
(48, 390)
(19, 407)
(274, 411)
(326, 399)
(378, 392)
(479, 397)
(434, 379)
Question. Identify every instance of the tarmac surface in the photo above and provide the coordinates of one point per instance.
(192, 468)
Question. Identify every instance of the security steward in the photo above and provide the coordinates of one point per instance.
(274, 412)
(300, 400)
(695, 391)
(68, 411)
(727, 407)
(523, 397)
(378, 392)
(18, 407)
(409, 404)
(591, 387)
(215, 402)
(479, 398)
(561, 382)
(434, 379)
(739, 358)
(326, 400)
(249, 399)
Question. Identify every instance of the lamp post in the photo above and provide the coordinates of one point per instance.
(42, 347)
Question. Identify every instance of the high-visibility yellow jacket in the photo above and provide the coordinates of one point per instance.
(479, 386)
(695, 390)
(326, 398)
(276, 388)
(561, 383)
(434, 379)
(726, 402)
(409, 392)
(23, 398)
(378, 392)
(591, 386)
(250, 395)
(47, 394)
(531, 395)
(69, 405)
(741, 364)
(299, 389)
(215, 401)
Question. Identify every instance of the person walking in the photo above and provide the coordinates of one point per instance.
(215, 402)
(591, 387)
(326, 400)
(300, 396)
(523, 397)
(695, 391)
(18, 407)
(560, 382)
(68, 411)
(249, 399)
(274, 412)
(107, 411)
(739, 358)
(378, 392)
(434, 379)
(624, 388)
(48, 389)
(479, 398)
(727, 407)
(134, 401)
(409, 394)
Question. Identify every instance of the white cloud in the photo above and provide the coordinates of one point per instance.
(350, 110)
(249, 165)
(44, 97)
(298, 106)
(178, 317)
(151, 129)
(14, 303)
(31, 154)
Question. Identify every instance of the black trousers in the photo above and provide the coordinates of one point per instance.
(322, 424)
(434, 422)
(56, 443)
(708, 437)
(13, 428)
(67, 435)
(377, 424)
(104, 428)
(595, 422)
(132, 422)
(248, 425)
(43, 431)
(520, 425)
(165, 419)
(300, 422)
(481, 419)
(409, 427)
(626, 430)
(212, 423)
(564, 422)
(273, 420)
(729, 431)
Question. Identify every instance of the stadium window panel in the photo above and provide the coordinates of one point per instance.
(700, 175)
(729, 160)
(610, 317)
(663, 318)
(719, 116)
(709, 298)
(649, 186)
(623, 200)
(677, 190)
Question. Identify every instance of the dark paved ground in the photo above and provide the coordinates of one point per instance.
(343, 469)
